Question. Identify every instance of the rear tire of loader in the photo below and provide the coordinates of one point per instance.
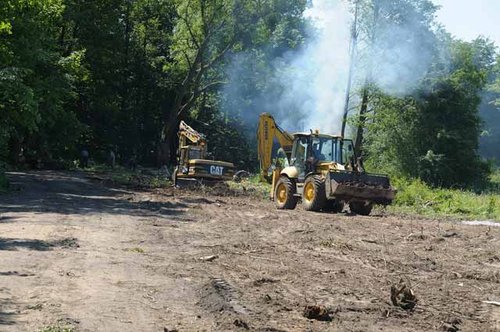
(361, 208)
(284, 194)
(314, 196)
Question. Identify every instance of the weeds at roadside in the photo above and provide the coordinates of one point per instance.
(252, 185)
(61, 326)
(57, 328)
(135, 249)
(414, 196)
(338, 244)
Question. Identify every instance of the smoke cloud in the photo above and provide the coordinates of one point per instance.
(316, 77)
(305, 88)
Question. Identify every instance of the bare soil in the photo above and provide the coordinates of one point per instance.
(76, 253)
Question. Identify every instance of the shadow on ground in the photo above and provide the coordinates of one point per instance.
(7, 317)
(71, 193)
(39, 245)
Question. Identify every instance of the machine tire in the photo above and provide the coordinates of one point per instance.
(314, 195)
(284, 194)
(334, 206)
(361, 208)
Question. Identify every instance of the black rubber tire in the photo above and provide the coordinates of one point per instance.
(334, 206)
(361, 208)
(318, 202)
(291, 201)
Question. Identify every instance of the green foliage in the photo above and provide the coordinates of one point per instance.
(35, 83)
(490, 114)
(434, 134)
(252, 185)
(414, 196)
(114, 74)
(494, 181)
(136, 250)
(57, 328)
(121, 93)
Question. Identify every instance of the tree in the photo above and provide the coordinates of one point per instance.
(396, 45)
(122, 99)
(434, 134)
(35, 82)
(490, 114)
(207, 31)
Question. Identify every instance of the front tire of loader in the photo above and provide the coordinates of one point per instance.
(284, 194)
(314, 196)
(361, 208)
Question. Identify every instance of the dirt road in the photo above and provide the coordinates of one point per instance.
(76, 253)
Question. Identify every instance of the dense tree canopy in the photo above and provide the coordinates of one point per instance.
(434, 133)
(120, 75)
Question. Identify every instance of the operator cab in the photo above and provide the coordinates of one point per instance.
(308, 150)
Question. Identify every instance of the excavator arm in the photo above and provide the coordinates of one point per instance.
(267, 132)
(186, 131)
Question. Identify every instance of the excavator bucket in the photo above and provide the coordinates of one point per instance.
(349, 186)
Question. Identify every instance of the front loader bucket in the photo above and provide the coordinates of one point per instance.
(350, 186)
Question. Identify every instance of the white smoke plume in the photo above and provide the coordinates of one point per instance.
(306, 87)
(316, 78)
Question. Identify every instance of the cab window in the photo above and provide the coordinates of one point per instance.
(299, 153)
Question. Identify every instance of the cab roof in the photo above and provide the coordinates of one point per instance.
(316, 135)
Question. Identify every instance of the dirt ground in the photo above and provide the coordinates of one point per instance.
(76, 253)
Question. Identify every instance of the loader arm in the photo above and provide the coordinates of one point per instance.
(267, 131)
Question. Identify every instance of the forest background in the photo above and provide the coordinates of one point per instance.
(119, 75)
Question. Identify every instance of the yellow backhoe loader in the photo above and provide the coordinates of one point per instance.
(320, 169)
(192, 165)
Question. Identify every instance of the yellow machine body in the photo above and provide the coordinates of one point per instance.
(191, 159)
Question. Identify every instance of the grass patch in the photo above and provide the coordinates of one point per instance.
(416, 197)
(252, 185)
(135, 249)
(57, 328)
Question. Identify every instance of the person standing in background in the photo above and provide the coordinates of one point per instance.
(84, 158)
(112, 158)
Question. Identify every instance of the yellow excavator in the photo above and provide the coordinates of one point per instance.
(319, 169)
(192, 165)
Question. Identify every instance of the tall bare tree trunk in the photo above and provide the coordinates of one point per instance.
(358, 144)
(365, 97)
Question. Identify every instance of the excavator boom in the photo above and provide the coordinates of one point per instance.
(191, 134)
(267, 132)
